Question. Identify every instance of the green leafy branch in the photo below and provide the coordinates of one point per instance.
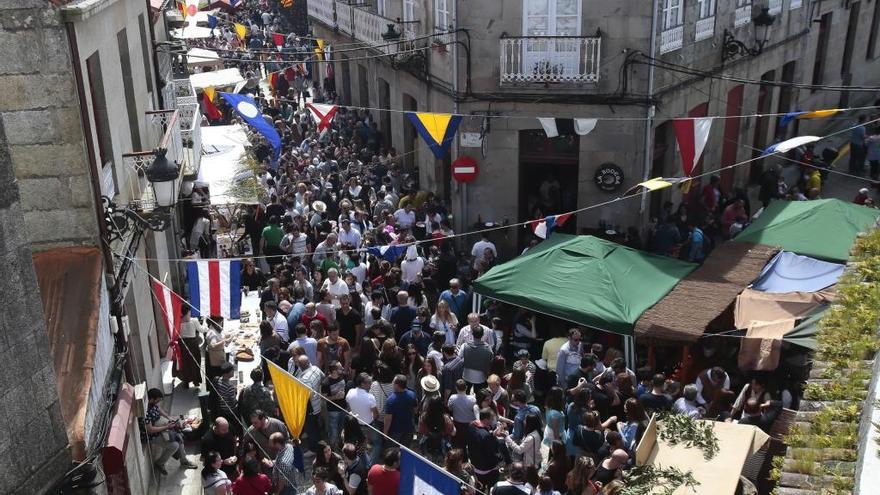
(656, 480)
(677, 428)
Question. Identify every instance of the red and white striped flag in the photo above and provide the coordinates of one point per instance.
(170, 304)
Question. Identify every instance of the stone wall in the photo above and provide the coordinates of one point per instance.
(40, 112)
(33, 441)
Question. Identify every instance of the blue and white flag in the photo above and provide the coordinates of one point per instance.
(246, 107)
(388, 253)
(418, 477)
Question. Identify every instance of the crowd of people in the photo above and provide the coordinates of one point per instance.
(364, 300)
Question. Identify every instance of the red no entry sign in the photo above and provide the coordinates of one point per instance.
(465, 169)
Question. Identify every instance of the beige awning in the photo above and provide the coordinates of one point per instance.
(753, 305)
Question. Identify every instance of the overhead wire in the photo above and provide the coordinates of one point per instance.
(317, 393)
(530, 222)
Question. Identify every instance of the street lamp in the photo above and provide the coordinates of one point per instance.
(162, 175)
(732, 47)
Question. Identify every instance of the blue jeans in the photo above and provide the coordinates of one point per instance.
(334, 421)
(376, 440)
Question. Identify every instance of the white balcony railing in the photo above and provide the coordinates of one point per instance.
(671, 39)
(550, 59)
(362, 25)
(322, 10)
(795, 4)
(742, 16)
(705, 29)
(163, 127)
(775, 7)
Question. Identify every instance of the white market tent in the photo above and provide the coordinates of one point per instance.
(223, 154)
(191, 31)
(216, 79)
(717, 476)
(199, 57)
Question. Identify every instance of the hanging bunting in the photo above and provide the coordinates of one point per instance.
(437, 129)
(278, 40)
(419, 477)
(212, 22)
(789, 144)
(544, 227)
(215, 287)
(293, 398)
(692, 135)
(322, 114)
(273, 79)
(553, 127)
(170, 304)
(657, 183)
(181, 6)
(208, 106)
(816, 114)
(240, 30)
(320, 50)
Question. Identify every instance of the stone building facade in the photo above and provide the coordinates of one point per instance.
(84, 104)
(504, 63)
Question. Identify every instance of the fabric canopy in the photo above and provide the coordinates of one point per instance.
(823, 228)
(804, 333)
(585, 280)
(217, 78)
(753, 305)
(700, 298)
(789, 272)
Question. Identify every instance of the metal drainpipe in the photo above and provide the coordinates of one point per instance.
(96, 189)
(649, 122)
(463, 188)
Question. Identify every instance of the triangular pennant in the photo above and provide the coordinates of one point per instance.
(293, 398)
(209, 109)
(278, 39)
(815, 114)
(692, 135)
(212, 22)
(544, 227)
(170, 304)
(582, 127)
(210, 92)
(240, 30)
(437, 129)
(549, 125)
(272, 80)
(181, 6)
(322, 114)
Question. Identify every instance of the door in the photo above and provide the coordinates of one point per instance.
(559, 18)
(731, 137)
(759, 139)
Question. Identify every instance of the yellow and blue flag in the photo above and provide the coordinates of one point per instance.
(816, 114)
(437, 129)
(293, 397)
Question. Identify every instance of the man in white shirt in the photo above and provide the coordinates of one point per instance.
(412, 266)
(363, 405)
(278, 321)
(481, 245)
(466, 335)
(687, 404)
(311, 376)
(349, 238)
(335, 285)
(405, 217)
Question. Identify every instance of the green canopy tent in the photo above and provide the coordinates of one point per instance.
(824, 228)
(585, 280)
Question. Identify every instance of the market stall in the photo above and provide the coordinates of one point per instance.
(585, 280)
(823, 228)
(218, 79)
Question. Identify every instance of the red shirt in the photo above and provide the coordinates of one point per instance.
(255, 485)
(383, 481)
(307, 320)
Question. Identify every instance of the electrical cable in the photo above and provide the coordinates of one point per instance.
(528, 222)
(316, 392)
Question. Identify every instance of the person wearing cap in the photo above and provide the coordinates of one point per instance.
(417, 336)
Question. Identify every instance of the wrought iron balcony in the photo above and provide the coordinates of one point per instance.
(550, 59)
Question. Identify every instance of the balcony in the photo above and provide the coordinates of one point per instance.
(705, 29)
(671, 39)
(775, 7)
(163, 128)
(352, 20)
(795, 4)
(550, 59)
(742, 16)
(322, 11)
